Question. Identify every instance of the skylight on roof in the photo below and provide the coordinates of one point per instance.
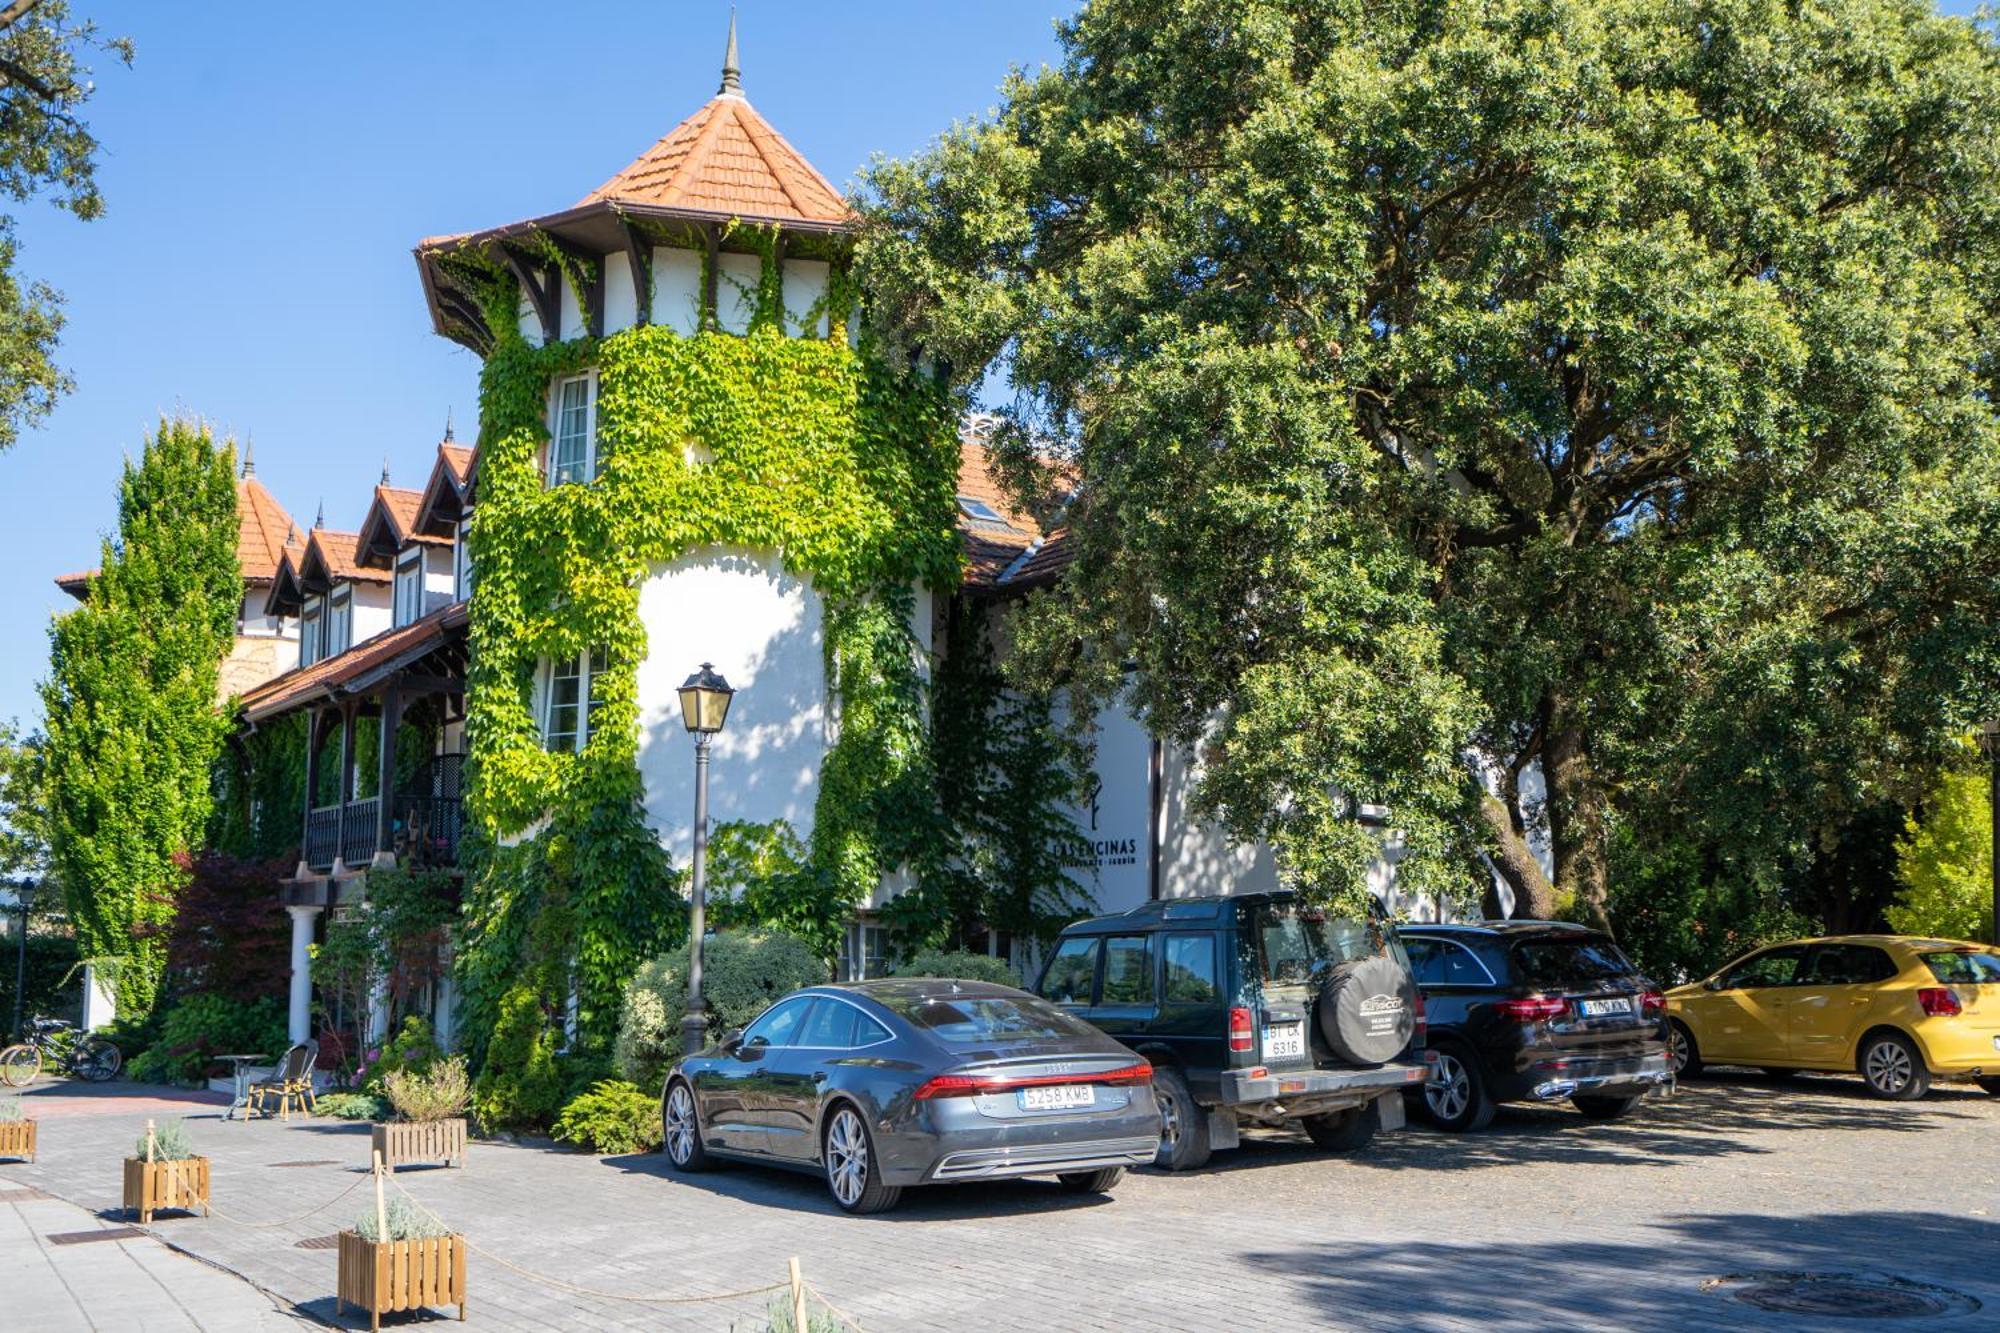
(980, 510)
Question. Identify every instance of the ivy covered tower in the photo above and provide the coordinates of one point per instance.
(686, 456)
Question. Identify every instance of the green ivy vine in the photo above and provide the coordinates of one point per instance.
(808, 447)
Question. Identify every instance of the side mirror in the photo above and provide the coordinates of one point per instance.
(730, 1040)
(1713, 983)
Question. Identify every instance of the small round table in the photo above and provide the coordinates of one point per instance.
(238, 1063)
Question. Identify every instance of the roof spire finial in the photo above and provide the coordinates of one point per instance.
(319, 519)
(448, 436)
(385, 469)
(732, 74)
(249, 458)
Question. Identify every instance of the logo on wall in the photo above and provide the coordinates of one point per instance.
(1097, 854)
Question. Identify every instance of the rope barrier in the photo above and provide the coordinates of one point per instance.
(834, 1310)
(285, 1222)
(575, 1290)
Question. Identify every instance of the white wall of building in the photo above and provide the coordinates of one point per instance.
(805, 285)
(621, 305)
(440, 579)
(736, 290)
(762, 627)
(676, 289)
(373, 610)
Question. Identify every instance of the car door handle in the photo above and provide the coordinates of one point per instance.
(819, 1076)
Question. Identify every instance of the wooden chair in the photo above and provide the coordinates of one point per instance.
(291, 1081)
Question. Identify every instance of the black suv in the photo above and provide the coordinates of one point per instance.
(1535, 1011)
(1253, 1007)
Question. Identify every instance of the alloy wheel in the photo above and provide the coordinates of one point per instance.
(847, 1157)
(1677, 1047)
(680, 1124)
(1451, 1092)
(1170, 1120)
(1888, 1066)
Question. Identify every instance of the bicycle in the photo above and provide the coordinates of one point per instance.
(62, 1046)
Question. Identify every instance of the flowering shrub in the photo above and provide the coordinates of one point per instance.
(612, 1118)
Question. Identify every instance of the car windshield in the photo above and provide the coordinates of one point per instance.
(985, 1020)
(1298, 942)
(1565, 963)
(1963, 967)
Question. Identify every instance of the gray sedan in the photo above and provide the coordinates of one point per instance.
(885, 1084)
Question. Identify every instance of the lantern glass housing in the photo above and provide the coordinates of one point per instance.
(705, 701)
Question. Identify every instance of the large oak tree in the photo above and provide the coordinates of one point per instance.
(1590, 394)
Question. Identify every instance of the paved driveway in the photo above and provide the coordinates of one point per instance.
(1543, 1221)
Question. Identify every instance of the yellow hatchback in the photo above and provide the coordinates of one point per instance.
(1897, 1010)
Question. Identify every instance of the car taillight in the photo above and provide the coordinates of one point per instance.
(1239, 1029)
(1651, 1003)
(1423, 1024)
(1939, 1001)
(971, 1085)
(1534, 1008)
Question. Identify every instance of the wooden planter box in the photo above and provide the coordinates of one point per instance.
(401, 1142)
(384, 1276)
(17, 1139)
(152, 1186)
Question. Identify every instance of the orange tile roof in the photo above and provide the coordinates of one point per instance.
(263, 528)
(1020, 556)
(458, 458)
(324, 678)
(336, 554)
(726, 159)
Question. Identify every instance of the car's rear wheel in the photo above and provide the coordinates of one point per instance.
(1456, 1099)
(853, 1174)
(1602, 1107)
(1342, 1131)
(1893, 1068)
(1184, 1143)
(1992, 1086)
(1682, 1053)
(680, 1130)
(1090, 1182)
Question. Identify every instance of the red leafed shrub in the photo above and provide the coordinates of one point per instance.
(230, 936)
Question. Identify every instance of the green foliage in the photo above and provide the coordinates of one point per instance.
(343, 972)
(1944, 861)
(10, 1109)
(24, 844)
(413, 1050)
(1600, 388)
(197, 1028)
(742, 974)
(612, 1118)
(958, 964)
(352, 1106)
(783, 1318)
(1683, 910)
(133, 726)
(405, 1220)
(439, 1092)
(260, 783)
(519, 1086)
(52, 975)
(167, 1142)
(799, 445)
(45, 146)
(409, 915)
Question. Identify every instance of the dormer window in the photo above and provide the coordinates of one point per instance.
(339, 620)
(461, 560)
(982, 514)
(409, 592)
(572, 700)
(312, 639)
(572, 439)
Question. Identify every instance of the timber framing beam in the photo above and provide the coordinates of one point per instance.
(593, 284)
(639, 263)
(544, 293)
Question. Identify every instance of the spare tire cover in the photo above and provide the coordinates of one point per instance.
(1367, 1010)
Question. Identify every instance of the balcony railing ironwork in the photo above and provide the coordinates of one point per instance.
(322, 837)
(424, 829)
(358, 831)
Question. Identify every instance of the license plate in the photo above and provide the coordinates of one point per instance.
(1060, 1097)
(1285, 1041)
(1599, 1008)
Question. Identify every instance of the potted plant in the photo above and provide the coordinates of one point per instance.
(17, 1132)
(430, 1115)
(399, 1257)
(165, 1172)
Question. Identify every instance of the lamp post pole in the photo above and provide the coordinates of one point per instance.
(22, 897)
(704, 704)
(694, 1024)
(1990, 734)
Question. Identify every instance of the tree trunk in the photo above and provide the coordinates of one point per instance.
(1577, 834)
(1534, 896)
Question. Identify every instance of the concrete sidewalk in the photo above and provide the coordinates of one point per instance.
(55, 1287)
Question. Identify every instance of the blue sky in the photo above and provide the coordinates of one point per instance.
(268, 167)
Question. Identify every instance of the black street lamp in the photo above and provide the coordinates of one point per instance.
(704, 704)
(1989, 745)
(24, 897)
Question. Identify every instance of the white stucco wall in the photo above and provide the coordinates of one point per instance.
(762, 628)
(621, 306)
(372, 610)
(805, 284)
(1113, 820)
(676, 289)
(736, 290)
(439, 578)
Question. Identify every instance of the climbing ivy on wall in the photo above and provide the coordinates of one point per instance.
(803, 446)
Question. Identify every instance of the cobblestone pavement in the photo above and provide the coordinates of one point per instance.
(1545, 1221)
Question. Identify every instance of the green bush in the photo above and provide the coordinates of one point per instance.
(429, 1095)
(170, 1143)
(352, 1106)
(519, 1087)
(1945, 862)
(611, 1118)
(413, 1049)
(54, 984)
(959, 964)
(407, 1221)
(200, 1027)
(742, 974)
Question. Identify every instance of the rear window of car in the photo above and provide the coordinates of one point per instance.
(1552, 964)
(985, 1020)
(1296, 942)
(1963, 967)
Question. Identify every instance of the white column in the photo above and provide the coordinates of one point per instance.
(300, 1018)
(100, 1008)
(444, 1017)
